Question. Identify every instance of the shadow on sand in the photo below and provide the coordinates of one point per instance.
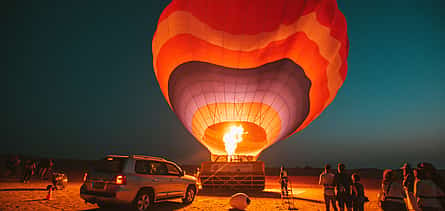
(172, 205)
(309, 200)
(24, 189)
(31, 200)
(228, 193)
(254, 194)
(165, 205)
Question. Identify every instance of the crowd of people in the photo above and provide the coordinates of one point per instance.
(423, 187)
(342, 190)
(26, 169)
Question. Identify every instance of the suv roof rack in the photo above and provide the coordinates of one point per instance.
(117, 156)
(147, 157)
(138, 157)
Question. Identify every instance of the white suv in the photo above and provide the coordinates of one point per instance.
(137, 180)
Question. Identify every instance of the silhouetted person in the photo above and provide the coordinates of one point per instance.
(343, 183)
(10, 166)
(15, 166)
(36, 167)
(427, 192)
(408, 177)
(27, 172)
(283, 181)
(153, 169)
(392, 192)
(51, 166)
(197, 175)
(357, 194)
(327, 179)
(435, 176)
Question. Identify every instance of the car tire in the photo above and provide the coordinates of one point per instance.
(189, 195)
(144, 200)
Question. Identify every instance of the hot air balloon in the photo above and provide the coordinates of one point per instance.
(244, 74)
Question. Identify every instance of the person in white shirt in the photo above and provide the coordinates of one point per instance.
(327, 179)
(427, 192)
(392, 192)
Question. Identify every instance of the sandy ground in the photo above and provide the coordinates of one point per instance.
(307, 196)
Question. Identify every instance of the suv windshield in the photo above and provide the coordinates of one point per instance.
(110, 165)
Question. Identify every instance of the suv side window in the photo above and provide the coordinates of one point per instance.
(172, 170)
(161, 169)
(150, 167)
(142, 167)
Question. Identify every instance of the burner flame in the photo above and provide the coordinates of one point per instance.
(232, 138)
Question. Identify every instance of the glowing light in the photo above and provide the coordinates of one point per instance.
(272, 74)
(232, 138)
(121, 180)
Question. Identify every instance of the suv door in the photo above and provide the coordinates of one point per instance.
(177, 185)
(152, 175)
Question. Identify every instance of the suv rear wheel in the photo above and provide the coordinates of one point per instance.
(189, 195)
(144, 200)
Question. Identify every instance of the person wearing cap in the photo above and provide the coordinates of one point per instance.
(392, 192)
(408, 177)
(327, 179)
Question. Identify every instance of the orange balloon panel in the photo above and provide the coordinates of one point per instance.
(269, 66)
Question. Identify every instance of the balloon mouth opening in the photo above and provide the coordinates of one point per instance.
(235, 138)
(269, 102)
(232, 138)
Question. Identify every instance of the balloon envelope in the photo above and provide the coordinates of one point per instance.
(269, 66)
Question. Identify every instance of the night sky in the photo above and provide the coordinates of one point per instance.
(78, 82)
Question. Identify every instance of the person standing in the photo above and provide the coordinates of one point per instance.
(51, 166)
(327, 179)
(16, 166)
(27, 173)
(408, 178)
(343, 186)
(36, 167)
(427, 192)
(33, 167)
(358, 194)
(392, 192)
(283, 181)
(50, 169)
(10, 166)
(198, 175)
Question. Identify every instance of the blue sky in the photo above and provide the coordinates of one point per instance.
(79, 83)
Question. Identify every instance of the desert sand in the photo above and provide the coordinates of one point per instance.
(307, 196)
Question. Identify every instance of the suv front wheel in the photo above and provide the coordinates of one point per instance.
(144, 200)
(189, 195)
